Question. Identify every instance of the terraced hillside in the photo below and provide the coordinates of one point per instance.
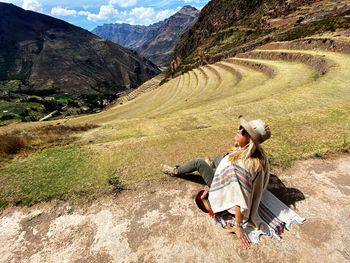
(227, 28)
(302, 93)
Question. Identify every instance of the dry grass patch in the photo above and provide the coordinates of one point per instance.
(11, 144)
(24, 142)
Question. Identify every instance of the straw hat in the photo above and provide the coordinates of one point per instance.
(258, 130)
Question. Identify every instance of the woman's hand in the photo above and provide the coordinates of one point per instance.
(242, 236)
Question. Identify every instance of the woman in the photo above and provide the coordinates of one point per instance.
(236, 182)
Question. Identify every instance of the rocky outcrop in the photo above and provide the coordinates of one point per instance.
(151, 211)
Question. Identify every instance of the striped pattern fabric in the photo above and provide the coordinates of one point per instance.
(225, 219)
(229, 174)
(272, 220)
(275, 214)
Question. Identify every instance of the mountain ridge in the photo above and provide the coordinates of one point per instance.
(156, 41)
(50, 57)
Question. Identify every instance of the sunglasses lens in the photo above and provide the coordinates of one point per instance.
(243, 131)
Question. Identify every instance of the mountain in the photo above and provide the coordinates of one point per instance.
(228, 27)
(157, 41)
(50, 57)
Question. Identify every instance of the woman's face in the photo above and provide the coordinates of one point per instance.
(242, 137)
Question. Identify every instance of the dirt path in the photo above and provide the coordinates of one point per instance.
(161, 224)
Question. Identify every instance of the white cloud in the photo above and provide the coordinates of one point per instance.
(60, 11)
(164, 14)
(140, 15)
(12, 2)
(123, 3)
(33, 5)
(147, 15)
(106, 12)
(143, 13)
(83, 13)
(130, 21)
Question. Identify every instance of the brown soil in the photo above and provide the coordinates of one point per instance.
(159, 222)
(315, 43)
(318, 63)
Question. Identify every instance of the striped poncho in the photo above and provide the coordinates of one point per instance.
(235, 185)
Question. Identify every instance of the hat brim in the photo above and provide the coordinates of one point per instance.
(203, 204)
(245, 124)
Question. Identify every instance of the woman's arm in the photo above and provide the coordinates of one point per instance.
(238, 230)
(238, 215)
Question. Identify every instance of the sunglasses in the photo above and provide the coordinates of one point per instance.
(242, 131)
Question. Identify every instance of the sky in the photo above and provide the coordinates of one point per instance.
(92, 13)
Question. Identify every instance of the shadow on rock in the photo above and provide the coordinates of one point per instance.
(288, 195)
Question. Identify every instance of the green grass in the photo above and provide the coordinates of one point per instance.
(19, 107)
(16, 111)
(294, 137)
(308, 116)
(61, 173)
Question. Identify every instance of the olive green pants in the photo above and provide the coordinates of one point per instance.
(200, 165)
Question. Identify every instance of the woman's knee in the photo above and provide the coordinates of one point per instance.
(199, 162)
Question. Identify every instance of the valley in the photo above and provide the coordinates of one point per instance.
(303, 94)
(90, 187)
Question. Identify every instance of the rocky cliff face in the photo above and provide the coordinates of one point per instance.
(157, 41)
(228, 27)
(52, 55)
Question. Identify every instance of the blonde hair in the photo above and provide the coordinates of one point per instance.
(253, 158)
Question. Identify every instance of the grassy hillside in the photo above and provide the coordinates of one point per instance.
(303, 94)
(229, 27)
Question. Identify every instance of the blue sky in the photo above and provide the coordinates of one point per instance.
(89, 14)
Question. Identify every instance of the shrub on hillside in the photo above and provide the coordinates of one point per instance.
(116, 184)
(60, 129)
(11, 144)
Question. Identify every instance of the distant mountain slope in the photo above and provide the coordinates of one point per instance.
(52, 55)
(59, 62)
(157, 41)
(227, 27)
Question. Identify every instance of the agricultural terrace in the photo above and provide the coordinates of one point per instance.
(303, 94)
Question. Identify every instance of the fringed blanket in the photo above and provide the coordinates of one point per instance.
(273, 215)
